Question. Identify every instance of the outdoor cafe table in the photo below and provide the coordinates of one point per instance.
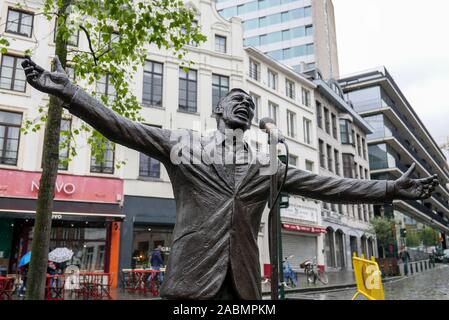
(141, 280)
(6, 287)
(94, 285)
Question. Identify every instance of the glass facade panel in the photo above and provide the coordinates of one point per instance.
(382, 157)
(381, 125)
(366, 99)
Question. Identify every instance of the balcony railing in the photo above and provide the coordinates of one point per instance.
(417, 137)
(429, 212)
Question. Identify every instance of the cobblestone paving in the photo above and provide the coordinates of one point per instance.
(429, 285)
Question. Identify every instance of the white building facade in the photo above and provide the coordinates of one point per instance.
(136, 208)
(342, 149)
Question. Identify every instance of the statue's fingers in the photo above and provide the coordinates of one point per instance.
(28, 69)
(32, 75)
(58, 65)
(427, 180)
(37, 67)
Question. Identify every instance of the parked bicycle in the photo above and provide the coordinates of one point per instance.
(314, 272)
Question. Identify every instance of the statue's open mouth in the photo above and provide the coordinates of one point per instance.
(242, 113)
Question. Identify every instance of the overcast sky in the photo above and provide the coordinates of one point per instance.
(411, 39)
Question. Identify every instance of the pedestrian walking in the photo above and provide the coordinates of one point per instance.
(24, 276)
(157, 261)
(405, 257)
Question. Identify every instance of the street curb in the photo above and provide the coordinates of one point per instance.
(329, 288)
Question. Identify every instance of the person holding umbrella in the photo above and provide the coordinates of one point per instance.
(23, 270)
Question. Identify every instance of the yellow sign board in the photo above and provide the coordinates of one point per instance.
(368, 278)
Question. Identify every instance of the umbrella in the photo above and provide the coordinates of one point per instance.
(60, 255)
(25, 259)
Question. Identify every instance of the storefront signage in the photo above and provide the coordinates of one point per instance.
(25, 184)
(67, 188)
(306, 229)
(297, 210)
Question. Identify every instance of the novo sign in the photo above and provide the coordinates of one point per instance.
(67, 188)
(25, 184)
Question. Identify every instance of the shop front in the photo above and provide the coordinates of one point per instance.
(86, 218)
(149, 223)
(301, 231)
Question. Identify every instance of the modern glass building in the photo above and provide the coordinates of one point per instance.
(400, 139)
(299, 33)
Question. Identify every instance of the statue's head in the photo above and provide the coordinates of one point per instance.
(235, 110)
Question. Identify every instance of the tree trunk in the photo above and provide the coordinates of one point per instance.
(42, 224)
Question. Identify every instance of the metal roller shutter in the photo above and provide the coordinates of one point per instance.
(300, 246)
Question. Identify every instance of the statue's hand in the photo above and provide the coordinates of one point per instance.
(56, 83)
(406, 188)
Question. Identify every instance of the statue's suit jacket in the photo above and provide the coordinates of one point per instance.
(217, 216)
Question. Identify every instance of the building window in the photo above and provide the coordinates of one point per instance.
(309, 165)
(290, 89)
(73, 39)
(12, 76)
(187, 90)
(366, 174)
(292, 160)
(64, 144)
(114, 37)
(337, 161)
(359, 146)
(10, 123)
(105, 165)
(220, 87)
(348, 165)
(319, 115)
(19, 22)
(307, 130)
(327, 121)
(193, 27)
(272, 80)
(273, 111)
(149, 167)
(254, 70)
(330, 165)
(105, 88)
(256, 100)
(364, 148)
(220, 44)
(334, 126)
(291, 124)
(152, 84)
(322, 156)
(346, 132)
(305, 97)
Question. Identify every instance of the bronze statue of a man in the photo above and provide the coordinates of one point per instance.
(219, 207)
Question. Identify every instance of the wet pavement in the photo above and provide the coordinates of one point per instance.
(432, 284)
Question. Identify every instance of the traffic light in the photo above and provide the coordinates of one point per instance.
(403, 233)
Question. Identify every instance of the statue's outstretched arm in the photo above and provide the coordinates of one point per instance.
(343, 190)
(150, 140)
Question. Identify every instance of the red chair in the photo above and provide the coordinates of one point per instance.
(55, 287)
(7, 288)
